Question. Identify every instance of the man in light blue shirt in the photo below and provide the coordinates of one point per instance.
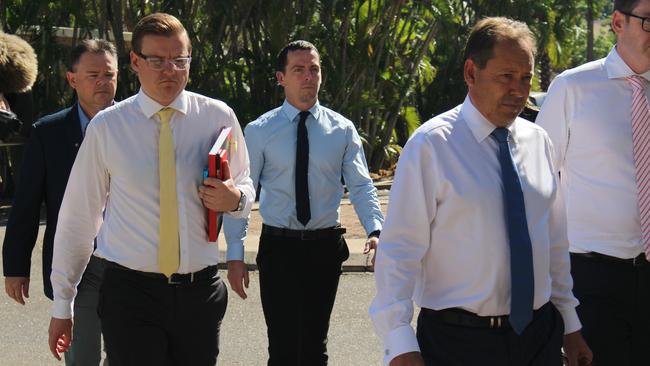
(298, 153)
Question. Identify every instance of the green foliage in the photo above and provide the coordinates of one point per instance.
(387, 64)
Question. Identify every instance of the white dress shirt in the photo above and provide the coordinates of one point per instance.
(587, 116)
(117, 168)
(445, 242)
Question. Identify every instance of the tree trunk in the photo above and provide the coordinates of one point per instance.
(544, 71)
(590, 30)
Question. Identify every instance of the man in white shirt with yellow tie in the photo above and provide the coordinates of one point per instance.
(475, 231)
(162, 301)
(597, 118)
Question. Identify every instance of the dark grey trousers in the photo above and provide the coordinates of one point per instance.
(86, 347)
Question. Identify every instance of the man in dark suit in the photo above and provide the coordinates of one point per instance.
(48, 159)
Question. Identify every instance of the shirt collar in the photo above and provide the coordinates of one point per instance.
(150, 107)
(83, 118)
(479, 125)
(618, 69)
(291, 112)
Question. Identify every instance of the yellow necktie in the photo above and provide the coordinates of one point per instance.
(168, 255)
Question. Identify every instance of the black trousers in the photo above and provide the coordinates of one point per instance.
(445, 344)
(614, 310)
(298, 283)
(146, 321)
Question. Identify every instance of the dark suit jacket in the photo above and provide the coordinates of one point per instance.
(49, 154)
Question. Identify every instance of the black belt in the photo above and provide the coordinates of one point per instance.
(175, 279)
(638, 261)
(464, 318)
(303, 234)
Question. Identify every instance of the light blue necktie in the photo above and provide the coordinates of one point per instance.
(521, 256)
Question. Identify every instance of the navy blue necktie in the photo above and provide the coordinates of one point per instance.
(521, 256)
(302, 162)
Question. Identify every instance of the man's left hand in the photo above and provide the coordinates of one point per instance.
(371, 244)
(238, 277)
(576, 349)
(220, 196)
(60, 336)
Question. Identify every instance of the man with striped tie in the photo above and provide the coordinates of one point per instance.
(597, 118)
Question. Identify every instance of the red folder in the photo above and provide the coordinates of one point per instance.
(217, 156)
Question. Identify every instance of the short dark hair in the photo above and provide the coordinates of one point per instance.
(625, 6)
(158, 24)
(293, 46)
(489, 31)
(91, 46)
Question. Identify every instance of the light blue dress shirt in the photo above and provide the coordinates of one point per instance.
(83, 119)
(335, 150)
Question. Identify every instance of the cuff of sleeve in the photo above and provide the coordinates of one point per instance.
(62, 309)
(372, 226)
(235, 251)
(571, 320)
(248, 206)
(398, 341)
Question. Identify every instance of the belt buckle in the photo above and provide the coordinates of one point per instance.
(170, 281)
(307, 235)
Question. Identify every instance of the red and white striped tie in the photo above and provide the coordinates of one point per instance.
(641, 143)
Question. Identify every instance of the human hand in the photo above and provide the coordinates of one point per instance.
(218, 195)
(371, 244)
(60, 336)
(576, 349)
(17, 288)
(4, 105)
(238, 277)
(408, 359)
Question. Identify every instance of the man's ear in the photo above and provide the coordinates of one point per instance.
(135, 62)
(618, 21)
(469, 72)
(279, 76)
(72, 79)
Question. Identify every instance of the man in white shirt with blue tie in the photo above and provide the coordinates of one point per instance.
(597, 118)
(475, 232)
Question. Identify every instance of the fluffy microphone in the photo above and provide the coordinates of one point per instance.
(18, 64)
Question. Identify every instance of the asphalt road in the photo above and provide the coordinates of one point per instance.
(352, 341)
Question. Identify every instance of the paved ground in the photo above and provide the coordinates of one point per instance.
(352, 338)
(352, 341)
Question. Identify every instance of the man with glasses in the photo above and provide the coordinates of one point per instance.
(162, 301)
(597, 117)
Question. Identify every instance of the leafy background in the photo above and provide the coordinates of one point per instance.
(387, 65)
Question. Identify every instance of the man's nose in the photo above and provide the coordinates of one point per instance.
(519, 87)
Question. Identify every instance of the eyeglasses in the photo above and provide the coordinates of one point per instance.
(158, 63)
(645, 22)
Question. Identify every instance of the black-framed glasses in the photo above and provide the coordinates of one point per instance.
(158, 63)
(645, 22)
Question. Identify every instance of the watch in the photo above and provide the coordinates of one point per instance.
(242, 202)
